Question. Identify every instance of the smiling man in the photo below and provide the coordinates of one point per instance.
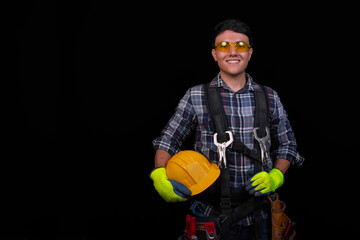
(232, 50)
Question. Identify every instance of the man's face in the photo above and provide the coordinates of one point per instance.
(232, 63)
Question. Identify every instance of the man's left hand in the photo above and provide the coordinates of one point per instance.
(264, 183)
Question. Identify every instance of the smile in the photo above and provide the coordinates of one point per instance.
(233, 61)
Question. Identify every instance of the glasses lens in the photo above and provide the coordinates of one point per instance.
(226, 46)
(223, 46)
(242, 47)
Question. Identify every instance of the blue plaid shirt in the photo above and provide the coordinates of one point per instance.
(239, 109)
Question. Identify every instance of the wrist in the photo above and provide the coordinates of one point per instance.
(277, 176)
(158, 173)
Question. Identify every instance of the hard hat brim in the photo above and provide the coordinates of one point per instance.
(213, 174)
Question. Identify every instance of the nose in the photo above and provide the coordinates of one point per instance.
(233, 51)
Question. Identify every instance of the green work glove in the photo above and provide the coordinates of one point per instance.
(169, 190)
(264, 183)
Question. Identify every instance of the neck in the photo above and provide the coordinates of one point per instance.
(236, 82)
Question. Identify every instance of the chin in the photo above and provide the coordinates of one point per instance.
(234, 73)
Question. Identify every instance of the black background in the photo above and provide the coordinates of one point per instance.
(95, 82)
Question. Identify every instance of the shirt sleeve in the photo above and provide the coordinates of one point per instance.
(178, 127)
(282, 136)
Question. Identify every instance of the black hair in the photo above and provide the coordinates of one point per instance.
(233, 25)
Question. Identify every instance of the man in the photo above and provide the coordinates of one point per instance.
(232, 50)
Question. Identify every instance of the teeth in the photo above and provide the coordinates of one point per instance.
(233, 61)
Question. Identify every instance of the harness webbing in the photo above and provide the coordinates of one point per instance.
(218, 117)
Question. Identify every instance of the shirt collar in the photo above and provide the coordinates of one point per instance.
(249, 86)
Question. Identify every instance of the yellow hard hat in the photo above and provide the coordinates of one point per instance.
(193, 170)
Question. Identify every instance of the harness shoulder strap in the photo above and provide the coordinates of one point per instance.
(216, 111)
(260, 122)
(261, 110)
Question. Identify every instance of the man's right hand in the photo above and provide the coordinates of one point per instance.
(169, 190)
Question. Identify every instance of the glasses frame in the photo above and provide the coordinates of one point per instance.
(235, 44)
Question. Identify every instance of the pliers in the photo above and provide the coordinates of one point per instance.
(262, 143)
(222, 148)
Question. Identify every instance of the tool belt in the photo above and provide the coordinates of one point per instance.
(218, 226)
(211, 228)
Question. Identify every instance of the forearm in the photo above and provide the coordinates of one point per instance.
(282, 164)
(161, 158)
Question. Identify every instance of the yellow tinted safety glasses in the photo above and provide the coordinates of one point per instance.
(226, 46)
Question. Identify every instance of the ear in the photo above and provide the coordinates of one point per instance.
(213, 53)
(250, 53)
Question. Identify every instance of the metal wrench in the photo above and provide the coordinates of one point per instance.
(262, 143)
(222, 148)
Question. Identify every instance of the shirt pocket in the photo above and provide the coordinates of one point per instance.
(205, 123)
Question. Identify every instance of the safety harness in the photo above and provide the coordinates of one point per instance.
(223, 139)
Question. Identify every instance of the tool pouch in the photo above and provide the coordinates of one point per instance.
(282, 227)
(207, 228)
